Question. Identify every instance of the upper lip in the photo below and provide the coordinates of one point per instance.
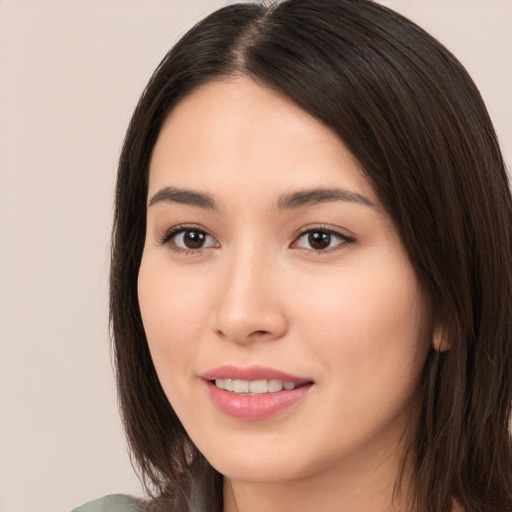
(251, 373)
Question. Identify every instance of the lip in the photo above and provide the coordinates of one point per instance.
(254, 407)
(252, 373)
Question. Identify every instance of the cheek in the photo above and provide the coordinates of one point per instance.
(367, 334)
(369, 325)
(173, 310)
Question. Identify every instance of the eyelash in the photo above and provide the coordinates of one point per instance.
(344, 240)
(170, 234)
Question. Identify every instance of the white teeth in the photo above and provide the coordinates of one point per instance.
(258, 386)
(274, 386)
(254, 387)
(241, 386)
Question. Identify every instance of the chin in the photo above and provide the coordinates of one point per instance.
(261, 465)
(253, 473)
(265, 465)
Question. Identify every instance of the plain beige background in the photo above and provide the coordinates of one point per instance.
(70, 75)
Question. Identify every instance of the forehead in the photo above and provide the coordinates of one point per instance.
(234, 132)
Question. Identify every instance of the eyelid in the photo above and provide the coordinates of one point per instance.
(337, 232)
(172, 232)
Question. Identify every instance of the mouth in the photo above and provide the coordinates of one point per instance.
(255, 387)
(254, 393)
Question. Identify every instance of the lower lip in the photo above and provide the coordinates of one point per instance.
(255, 407)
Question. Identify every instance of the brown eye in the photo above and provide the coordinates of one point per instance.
(321, 240)
(193, 239)
(189, 239)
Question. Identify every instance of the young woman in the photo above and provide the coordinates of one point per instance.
(311, 290)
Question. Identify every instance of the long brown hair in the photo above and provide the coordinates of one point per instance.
(409, 112)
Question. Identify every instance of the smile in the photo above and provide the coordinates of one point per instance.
(254, 387)
(254, 393)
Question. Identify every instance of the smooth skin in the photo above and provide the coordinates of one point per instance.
(319, 287)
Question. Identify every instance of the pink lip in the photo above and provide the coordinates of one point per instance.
(253, 407)
(251, 373)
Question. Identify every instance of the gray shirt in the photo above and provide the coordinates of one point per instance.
(112, 503)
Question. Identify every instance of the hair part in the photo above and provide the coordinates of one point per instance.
(410, 114)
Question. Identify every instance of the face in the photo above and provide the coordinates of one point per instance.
(285, 322)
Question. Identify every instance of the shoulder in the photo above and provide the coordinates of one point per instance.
(112, 503)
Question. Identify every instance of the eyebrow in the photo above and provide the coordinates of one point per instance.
(291, 201)
(183, 196)
(319, 196)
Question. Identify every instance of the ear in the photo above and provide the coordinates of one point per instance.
(440, 341)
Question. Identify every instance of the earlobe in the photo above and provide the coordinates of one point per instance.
(440, 339)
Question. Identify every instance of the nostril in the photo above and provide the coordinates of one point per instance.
(260, 333)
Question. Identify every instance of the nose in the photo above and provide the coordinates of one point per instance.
(250, 308)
